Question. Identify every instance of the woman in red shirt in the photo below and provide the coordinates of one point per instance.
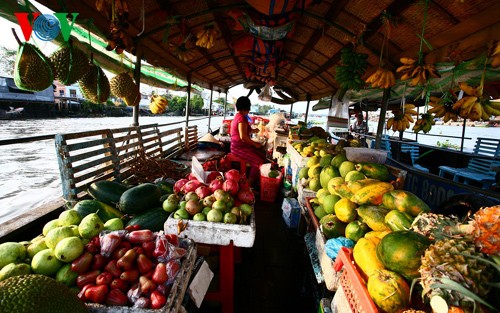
(241, 144)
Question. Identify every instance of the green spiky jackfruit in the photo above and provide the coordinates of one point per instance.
(95, 85)
(32, 70)
(38, 293)
(69, 64)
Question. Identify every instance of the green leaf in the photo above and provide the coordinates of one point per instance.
(453, 285)
(484, 260)
(425, 41)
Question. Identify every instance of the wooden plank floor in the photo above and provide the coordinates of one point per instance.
(274, 275)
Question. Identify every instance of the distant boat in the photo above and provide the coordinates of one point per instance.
(11, 114)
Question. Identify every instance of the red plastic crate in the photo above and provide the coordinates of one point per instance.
(353, 284)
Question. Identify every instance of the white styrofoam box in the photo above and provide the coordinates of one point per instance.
(304, 193)
(291, 212)
(213, 233)
(295, 155)
(340, 303)
(295, 173)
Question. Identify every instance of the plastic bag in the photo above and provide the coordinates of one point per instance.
(338, 116)
(332, 246)
(110, 240)
(265, 94)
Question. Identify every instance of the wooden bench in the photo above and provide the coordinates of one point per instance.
(108, 154)
(479, 169)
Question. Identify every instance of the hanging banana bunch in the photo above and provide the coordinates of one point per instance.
(419, 74)
(206, 37)
(382, 78)
(475, 106)
(401, 120)
(424, 123)
(495, 54)
(442, 108)
(182, 53)
(158, 104)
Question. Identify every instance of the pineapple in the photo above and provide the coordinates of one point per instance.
(435, 226)
(447, 259)
(487, 230)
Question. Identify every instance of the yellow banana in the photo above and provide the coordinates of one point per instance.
(409, 106)
(435, 109)
(408, 118)
(485, 116)
(469, 90)
(405, 68)
(495, 104)
(390, 121)
(495, 61)
(491, 110)
(407, 60)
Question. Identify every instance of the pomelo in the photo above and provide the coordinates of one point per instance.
(329, 202)
(346, 167)
(353, 176)
(338, 159)
(345, 210)
(315, 184)
(334, 182)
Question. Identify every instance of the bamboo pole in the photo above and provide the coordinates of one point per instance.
(307, 108)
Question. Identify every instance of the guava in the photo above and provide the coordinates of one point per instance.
(170, 205)
(45, 263)
(181, 214)
(69, 217)
(58, 234)
(13, 269)
(219, 205)
(35, 247)
(114, 224)
(90, 226)
(49, 226)
(246, 209)
(199, 217)
(346, 167)
(68, 249)
(206, 210)
(214, 216)
(11, 252)
(230, 218)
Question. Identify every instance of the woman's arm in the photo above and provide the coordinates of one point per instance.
(245, 137)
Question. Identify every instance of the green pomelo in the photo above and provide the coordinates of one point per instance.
(338, 159)
(314, 184)
(327, 173)
(314, 171)
(329, 203)
(319, 211)
(356, 230)
(320, 194)
(303, 173)
(325, 160)
(346, 167)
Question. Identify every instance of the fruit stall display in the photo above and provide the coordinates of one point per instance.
(397, 243)
(111, 250)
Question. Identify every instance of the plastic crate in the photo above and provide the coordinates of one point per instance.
(353, 284)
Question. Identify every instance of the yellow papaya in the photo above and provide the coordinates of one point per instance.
(404, 201)
(356, 185)
(374, 217)
(373, 170)
(389, 291)
(343, 191)
(365, 256)
(372, 194)
(376, 234)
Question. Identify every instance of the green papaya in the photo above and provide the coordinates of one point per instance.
(404, 201)
(397, 220)
(373, 216)
(374, 170)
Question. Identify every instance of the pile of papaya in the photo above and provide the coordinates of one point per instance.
(362, 205)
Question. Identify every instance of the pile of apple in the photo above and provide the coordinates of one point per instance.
(128, 268)
(227, 198)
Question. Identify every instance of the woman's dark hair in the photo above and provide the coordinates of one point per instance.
(243, 103)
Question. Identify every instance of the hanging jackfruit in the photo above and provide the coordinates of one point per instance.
(32, 70)
(134, 98)
(123, 86)
(95, 85)
(69, 64)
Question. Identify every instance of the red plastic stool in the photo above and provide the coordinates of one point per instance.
(231, 159)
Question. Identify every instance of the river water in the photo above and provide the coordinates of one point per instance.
(29, 174)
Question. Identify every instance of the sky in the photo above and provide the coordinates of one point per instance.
(7, 40)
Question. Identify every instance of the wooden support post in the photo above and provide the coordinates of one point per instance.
(210, 106)
(463, 135)
(225, 104)
(381, 119)
(307, 107)
(291, 110)
(188, 100)
(137, 78)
